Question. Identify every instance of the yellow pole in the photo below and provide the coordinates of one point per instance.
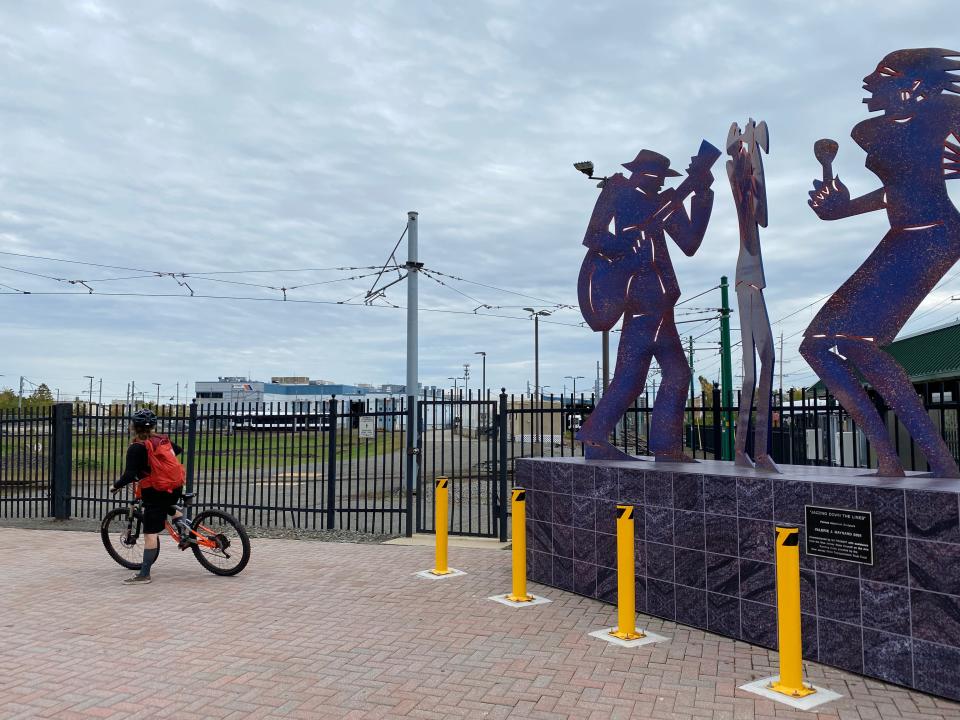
(442, 515)
(519, 501)
(788, 615)
(626, 590)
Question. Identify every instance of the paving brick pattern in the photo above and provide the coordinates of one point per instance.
(318, 630)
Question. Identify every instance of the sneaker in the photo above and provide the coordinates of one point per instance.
(138, 580)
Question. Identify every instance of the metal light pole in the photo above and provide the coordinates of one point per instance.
(574, 378)
(100, 396)
(536, 314)
(454, 383)
(90, 399)
(484, 373)
(158, 395)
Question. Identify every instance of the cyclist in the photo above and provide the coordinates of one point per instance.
(151, 460)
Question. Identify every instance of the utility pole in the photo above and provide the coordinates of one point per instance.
(413, 266)
(133, 392)
(100, 397)
(178, 393)
(20, 396)
(693, 394)
(90, 398)
(466, 379)
(606, 360)
(158, 395)
(726, 372)
(781, 366)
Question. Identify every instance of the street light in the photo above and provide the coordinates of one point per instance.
(574, 378)
(454, 383)
(536, 314)
(484, 372)
(90, 378)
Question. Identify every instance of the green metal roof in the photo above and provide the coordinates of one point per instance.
(931, 355)
(927, 356)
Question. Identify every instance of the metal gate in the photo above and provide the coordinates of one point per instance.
(459, 441)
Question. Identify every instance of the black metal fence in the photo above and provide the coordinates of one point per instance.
(343, 464)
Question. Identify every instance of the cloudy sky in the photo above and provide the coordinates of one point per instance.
(206, 137)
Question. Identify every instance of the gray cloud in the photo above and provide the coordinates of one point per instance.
(236, 135)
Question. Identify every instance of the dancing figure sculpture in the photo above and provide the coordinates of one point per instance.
(913, 147)
(627, 271)
(745, 170)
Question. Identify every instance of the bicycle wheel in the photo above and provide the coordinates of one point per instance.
(122, 536)
(222, 545)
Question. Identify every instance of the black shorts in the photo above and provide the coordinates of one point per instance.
(157, 505)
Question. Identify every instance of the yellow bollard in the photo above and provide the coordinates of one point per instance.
(440, 523)
(788, 615)
(626, 588)
(519, 521)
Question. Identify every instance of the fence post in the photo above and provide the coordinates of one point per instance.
(191, 445)
(61, 460)
(502, 467)
(331, 462)
(717, 427)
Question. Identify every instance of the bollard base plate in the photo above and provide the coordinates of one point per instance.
(646, 638)
(505, 600)
(624, 635)
(433, 575)
(764, 688)
(794, 692)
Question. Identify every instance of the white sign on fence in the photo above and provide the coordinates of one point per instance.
(368, 427)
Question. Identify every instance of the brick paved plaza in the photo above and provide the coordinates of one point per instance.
(325, 630)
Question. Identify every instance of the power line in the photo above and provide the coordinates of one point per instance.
(204, 272)
(494, 287)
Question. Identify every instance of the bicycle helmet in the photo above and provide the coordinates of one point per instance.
(144, 418)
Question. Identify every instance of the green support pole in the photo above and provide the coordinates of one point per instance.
(692, 396)
(726, 371)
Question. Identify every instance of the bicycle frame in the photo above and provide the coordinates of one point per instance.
(201, 540)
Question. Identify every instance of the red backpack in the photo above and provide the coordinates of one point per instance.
(166, 473)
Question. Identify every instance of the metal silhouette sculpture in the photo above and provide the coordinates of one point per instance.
(913, 147)
(745, 170)
(627, 272)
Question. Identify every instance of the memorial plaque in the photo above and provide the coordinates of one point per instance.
(840, 534)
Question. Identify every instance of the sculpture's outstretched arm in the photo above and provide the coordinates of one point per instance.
(688, 232)
(831, 201)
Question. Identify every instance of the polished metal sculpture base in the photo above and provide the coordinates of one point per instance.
(705, 556)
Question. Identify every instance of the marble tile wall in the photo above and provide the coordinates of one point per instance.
(705, 558)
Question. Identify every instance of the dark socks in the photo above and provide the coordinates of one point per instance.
(149, 557)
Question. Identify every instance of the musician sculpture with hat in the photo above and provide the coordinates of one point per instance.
(627, 272)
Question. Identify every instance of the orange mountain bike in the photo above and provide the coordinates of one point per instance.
(217, 539)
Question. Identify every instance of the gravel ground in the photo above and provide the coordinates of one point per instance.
(345, 536)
